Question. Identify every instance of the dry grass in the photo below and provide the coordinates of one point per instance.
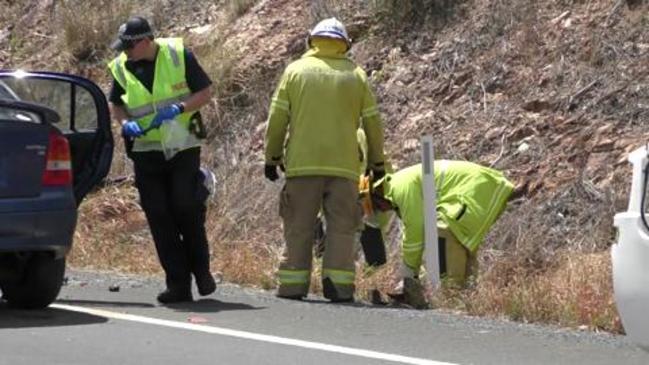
(112, 233)
(576, 291)
(408, 13)
(537, 267)
(87, 33)
(9, 42)
(219, 62)
(236, 8)
(247, 246)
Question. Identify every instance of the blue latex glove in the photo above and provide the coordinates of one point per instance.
(166, 113)
(131, 129)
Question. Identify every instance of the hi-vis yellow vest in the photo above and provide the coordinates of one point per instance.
(169, 86)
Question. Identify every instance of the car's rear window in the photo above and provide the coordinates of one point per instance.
(7, 93)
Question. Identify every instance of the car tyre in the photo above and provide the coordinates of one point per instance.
(40, 284)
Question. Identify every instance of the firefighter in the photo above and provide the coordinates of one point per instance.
(320, 102)
(470, 198)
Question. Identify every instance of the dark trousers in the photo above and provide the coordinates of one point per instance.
(171, 196)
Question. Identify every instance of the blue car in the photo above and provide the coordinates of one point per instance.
(55, 146)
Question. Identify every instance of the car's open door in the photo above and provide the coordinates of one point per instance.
(84, 119)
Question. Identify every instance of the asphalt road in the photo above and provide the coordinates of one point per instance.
(91, 325)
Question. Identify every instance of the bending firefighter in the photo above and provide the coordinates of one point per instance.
(320, 102)
(470, 198)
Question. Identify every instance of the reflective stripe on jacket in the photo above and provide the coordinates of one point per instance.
(169, 86)
(339, 277)
(320, 101)
(470, 198)
(294, 277)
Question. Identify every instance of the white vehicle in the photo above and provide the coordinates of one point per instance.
(631, 255)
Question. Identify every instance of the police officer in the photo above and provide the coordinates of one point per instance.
(320, 101)
(156, 81)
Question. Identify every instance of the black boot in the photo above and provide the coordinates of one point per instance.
(291, 297)
(414, 294)
(205, 284)
(175, 296)
(329, 291)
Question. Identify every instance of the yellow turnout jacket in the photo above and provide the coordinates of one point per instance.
(470, 198)
(320, 102)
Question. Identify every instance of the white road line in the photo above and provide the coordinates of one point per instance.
(253, 336)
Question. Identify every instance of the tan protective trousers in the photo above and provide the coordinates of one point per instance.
(300, 201)
(460, 263)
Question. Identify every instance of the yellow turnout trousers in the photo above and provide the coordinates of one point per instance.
(459, 263)
(300, 201)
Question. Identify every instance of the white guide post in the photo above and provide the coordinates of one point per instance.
(431, 250)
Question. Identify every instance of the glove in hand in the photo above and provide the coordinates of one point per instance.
(166, 113)
(270, 171)
(131, 129)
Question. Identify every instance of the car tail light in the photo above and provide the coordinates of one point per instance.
(58, 166)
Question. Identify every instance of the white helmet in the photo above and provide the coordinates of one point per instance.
(331, 28)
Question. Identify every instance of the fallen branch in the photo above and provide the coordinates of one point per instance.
(605, 97)
(614, 11)
(484, 97)
(502, 151)
(561, 17)
(583, 90)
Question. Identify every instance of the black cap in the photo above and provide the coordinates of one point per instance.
(134, 29)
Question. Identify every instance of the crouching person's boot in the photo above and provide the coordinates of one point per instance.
(410, 291)
(413, 293)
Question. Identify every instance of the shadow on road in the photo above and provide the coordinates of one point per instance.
(210, 306)
(48, 317)
(355, 304)
(105, 303)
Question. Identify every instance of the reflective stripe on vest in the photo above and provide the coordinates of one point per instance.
(443, 165)
(143, 111)
(119, 74)
(169, 86)
(173, 52)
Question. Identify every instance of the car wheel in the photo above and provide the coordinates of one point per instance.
(40, 284)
